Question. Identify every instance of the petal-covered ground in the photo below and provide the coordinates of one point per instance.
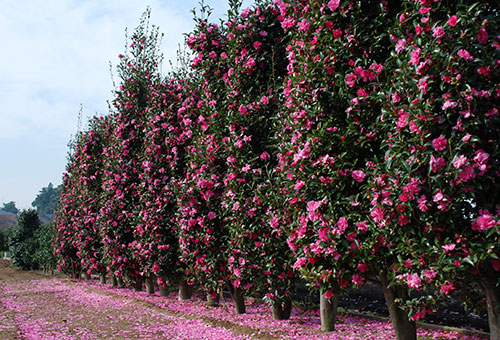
(58, 308)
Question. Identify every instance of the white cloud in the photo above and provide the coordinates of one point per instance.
(55, 57)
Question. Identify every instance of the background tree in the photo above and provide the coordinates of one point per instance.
(44, 256)
(47, 199)
(23, 243)
(10, 207)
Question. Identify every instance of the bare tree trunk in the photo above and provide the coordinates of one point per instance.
(102, 278)
(121, 284)
(405, 328)
(138, 284)
(238, 298)
(492, 292)
(162, 288)
(86, 275)
(328, 312)
(211, 300)
(114, 281)
(282, 310)
(185, 290)
(150, 286)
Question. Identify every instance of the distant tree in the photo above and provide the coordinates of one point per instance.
(10, 207)
(44, 255)
(23, 242)
(46, 200)
(3, 241)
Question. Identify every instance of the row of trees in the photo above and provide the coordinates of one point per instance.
(343, 142)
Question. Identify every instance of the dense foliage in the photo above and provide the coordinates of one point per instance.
(46, 200)
(344, 142)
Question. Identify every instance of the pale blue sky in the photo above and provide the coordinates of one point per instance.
(55, 58)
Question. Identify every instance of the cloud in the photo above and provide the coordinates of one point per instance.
(57, 56)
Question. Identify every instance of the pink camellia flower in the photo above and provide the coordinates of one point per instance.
(440, 143)
(464, 54)
(333, 5)
(414, 281)
(482, 36)
(447, 287)
(452, 21)
(358, 176)
(438, 32)
(337, 33)
(459, 162)
(329, 294)
(264, 100)
(299, 185)
(237, 283)
(300, 262)
(448, 247)
(430, 273)
(358, 279)
(264, 155)
(484, 222)
(257, 45)
(449, 104)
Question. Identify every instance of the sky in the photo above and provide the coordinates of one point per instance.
(55, 62)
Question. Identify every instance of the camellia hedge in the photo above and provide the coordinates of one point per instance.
(341, 142)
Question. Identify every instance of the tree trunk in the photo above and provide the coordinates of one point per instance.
(114, 281)
(282, 310)
(405, 328)
(212, 301)
(328, 312)
(150, 286)
(138, 285)
(492, 293)
(121, 284)
(238, 298)
(185, 290)
(102, 278)
(86, 275)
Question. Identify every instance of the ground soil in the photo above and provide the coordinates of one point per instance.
(366, 300)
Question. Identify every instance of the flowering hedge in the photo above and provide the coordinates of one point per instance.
(345, 141)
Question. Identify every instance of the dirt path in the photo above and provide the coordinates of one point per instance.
(34, 306)
(38, 306)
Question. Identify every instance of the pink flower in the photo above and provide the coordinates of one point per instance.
(333, 5)
(323, 234)
(237, 283)
(484, 222)
(448, 247)
(264, 100)
(337, 33)
(446, 288)
(264, 155)
(440, 143)
(257, 45)
(400, 45)
(342, 225)
(464, 54)
(482, 36)
(438, 32)
(449, 104)
(452, 21)
(459, 162)
(299, 185)
(358, 175)
(358, 279)
(329, 294)
(430, 273)
(300, 262)
(414, 281)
